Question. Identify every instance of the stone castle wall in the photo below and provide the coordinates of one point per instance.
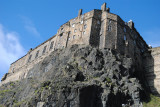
(152, 69)
(98, 28)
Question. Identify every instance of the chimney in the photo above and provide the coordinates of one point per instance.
(108, 10)
(80, 12)
(103, 7)
(131, 24)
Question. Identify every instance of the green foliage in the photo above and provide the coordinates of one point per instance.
(17, 104)
(2, 92)
(108, 80)
(154, 102)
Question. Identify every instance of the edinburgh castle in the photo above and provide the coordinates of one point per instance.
(99, 29)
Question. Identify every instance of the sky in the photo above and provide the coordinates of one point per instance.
(24, 24)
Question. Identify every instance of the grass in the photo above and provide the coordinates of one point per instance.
(154, 102)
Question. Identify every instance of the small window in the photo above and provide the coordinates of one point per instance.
(12, 70)
(98, 22)
(82, 22)
(75, 30)
(73, 25)
(37, 54)
(51, 46)
(29, 59)
(74, 36)
(85, 26)
(84, 33)
(125, 38)
(61, 29)
(61, 34)
(134, 42)
(124, 29)
(44, 49)
(110, 21)
(109, 28)
(69, 32)
(69, 38)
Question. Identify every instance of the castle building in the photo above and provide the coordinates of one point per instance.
(97, 28)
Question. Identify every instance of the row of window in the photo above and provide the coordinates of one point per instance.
(44, 50)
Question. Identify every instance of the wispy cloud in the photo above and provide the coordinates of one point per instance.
(10, 49)
(152, 37)
(29, 26)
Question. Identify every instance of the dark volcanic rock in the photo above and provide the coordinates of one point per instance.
(76, 77)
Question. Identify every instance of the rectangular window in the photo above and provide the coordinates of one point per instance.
(74, 36)
(44, 50)
(29, 59)
(85, 26)
(51, 46)
(109, 28)
(37, 54)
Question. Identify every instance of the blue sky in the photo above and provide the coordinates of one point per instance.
(24, 24)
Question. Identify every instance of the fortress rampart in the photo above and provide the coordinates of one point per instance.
(98, 28)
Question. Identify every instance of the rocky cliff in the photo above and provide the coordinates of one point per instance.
(77, 77)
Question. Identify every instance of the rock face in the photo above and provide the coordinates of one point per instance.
(76, 77)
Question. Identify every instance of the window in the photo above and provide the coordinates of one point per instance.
(61, 29)
(74, 36)
(44, 49)
(75, 30)
(134, 42)
(12, 70)
(124, 29)
(82, 22)
(84, 33)
(109, 28)
(85, 26)
(73, 25)
(51, 46)
(29, 59)
(69, 38)
(98, 22)
(110, 21)
(61, 35)
(37, 54)
(125, 38)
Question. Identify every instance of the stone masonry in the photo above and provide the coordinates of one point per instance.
(98, 28)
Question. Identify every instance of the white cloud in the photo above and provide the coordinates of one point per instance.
(29, 26)
(10, 49)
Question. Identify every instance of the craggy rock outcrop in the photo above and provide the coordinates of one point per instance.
(76, 77)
